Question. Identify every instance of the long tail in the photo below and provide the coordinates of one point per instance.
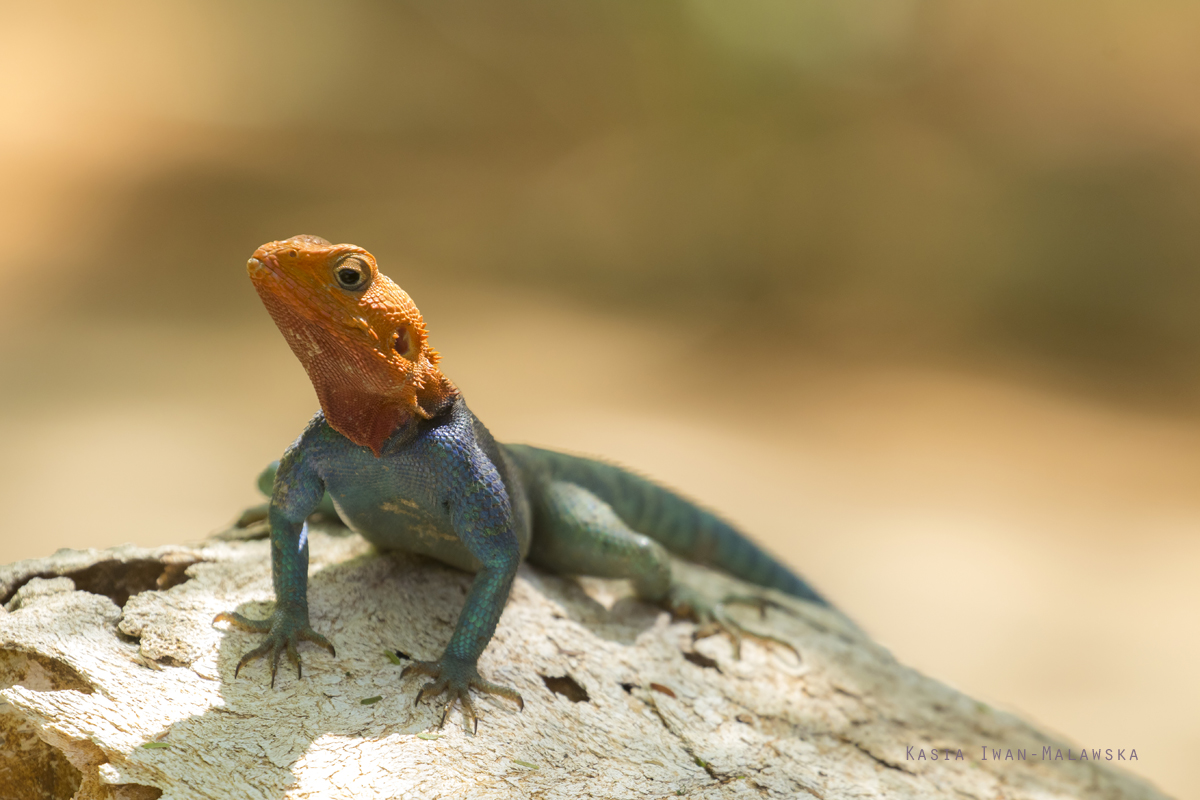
(677, 524)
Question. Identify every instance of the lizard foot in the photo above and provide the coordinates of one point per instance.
(457, 678)
(284, 632)
(712, 618)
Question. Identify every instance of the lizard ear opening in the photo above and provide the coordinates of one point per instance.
(403, 344)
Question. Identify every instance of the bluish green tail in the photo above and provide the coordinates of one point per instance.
(677, 524)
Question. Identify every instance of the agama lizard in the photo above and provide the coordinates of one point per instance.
(409, 467)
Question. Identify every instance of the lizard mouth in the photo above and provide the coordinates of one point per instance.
(269, 278)
(255, 268)
(262, 264)
(267, 274)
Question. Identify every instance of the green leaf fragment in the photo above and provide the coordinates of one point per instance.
(155, 746)
(526, 764)
(368, 701)
(392, 657)
(428, 736)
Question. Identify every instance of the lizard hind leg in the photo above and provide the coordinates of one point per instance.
(578, 533)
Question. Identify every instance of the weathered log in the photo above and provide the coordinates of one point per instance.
(117, 685)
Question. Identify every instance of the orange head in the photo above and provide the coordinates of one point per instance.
(358, 335)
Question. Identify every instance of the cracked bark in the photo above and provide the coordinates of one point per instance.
(116, 685)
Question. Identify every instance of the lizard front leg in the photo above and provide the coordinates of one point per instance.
(457, 671)
(297, 491)
(482, 517)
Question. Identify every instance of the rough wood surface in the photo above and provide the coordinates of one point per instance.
(117, 685)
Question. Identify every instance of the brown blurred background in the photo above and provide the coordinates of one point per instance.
(909, 289)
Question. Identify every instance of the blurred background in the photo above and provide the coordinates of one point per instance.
(911, 290)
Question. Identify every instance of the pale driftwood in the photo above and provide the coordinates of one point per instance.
(89, 684)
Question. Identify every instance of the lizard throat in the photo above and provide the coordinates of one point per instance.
(369, 420)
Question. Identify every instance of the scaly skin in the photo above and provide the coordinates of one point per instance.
(407, 465)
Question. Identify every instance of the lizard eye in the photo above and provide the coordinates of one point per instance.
(351, 273)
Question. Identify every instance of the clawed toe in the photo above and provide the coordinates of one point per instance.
(309, 635)
(500, 691)
(723, 623)
(243, 623)
(754, 601)
(712, 618)
(250, 655)
(430, 668)
(736, 631)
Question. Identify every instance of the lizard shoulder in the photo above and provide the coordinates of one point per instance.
(316, 437)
